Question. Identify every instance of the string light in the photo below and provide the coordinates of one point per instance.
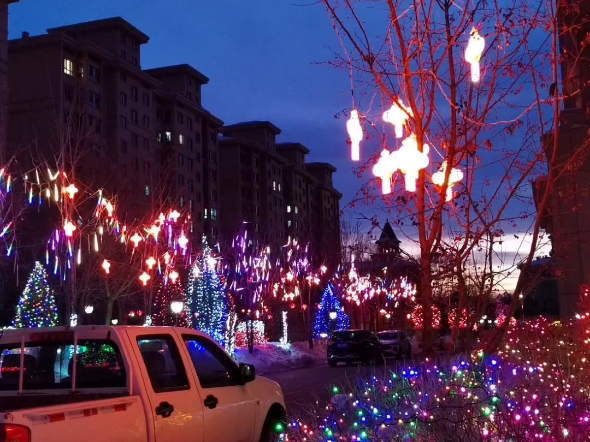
(454, 177)
(355, 132)
(397, 116)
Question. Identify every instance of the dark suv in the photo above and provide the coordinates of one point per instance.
(354, 346)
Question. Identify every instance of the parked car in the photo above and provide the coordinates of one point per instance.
(395, 343)
(130, 384)
(354, 346)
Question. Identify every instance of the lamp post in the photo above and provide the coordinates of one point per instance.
(333, 316)
(176, 307)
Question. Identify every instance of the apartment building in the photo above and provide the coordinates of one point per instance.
(252, 186)
(268, 186)
(80, 97)
(3, 73)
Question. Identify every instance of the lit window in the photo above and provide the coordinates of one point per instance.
(279, 187)
(147, 190)
(213, 214)
(288, 209)
(168, 136)
(68, 67)
(180, 139)
(205, 214)
(274, 185)
(289, 223)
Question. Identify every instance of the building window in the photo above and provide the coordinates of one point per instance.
(159, 137)
(189, 95)
(94, 99)
(146, 121)
(213, 195)
(134, 116)
(198, 176)
(134, 45)
(146, 144)
(147, 190)
(134, 140)
(169, 137)
(191, 185)
(123, 98)
(198, 156)
(68, 92)
(146, 99)
(289, 223)
(123, 77)
(189, 123)
(205, 213)
(180, 118)
(213, 175)
(181, 139)
(124, 146)
(81, 70)
(181, 180)
(134, 93)
(296, 209)
(123, 39)
(94, 74)
(134, 61)
(190, 144)
(180, 159)
(213, 214)
(199, 197)
(68, 67)
(198, 137)
(212, 156)
(123, 55)
(146, 168)
(288, 209)
(136, 164)
(190, 164)
(122, 122)
(213, 137)
(274, 185)
(159, 114)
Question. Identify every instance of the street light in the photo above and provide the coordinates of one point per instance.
(176, 307)
(88, 309)
(114, 321)
(333, 316)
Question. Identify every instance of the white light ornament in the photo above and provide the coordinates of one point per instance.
(384, 169)
(355, 132)
(411, 161)
(398, 115)
(473, 53)
(454, 177)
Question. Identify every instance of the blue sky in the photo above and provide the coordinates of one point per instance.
(262, 57)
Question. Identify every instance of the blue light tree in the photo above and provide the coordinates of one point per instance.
(206, 297)
(330, 304)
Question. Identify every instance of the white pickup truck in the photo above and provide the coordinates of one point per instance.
(130, 384)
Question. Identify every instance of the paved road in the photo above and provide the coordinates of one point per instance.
(307, 385)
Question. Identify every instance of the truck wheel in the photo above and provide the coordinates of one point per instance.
(274, 425)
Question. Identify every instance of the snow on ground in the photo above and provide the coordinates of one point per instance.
(273, 358)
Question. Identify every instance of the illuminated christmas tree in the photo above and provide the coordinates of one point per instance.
(36, 307)
(206, 297)
(170, 306)
(330, 315)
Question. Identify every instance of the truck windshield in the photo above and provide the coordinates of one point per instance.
(49, 365)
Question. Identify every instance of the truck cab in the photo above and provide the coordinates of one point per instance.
(127, 384)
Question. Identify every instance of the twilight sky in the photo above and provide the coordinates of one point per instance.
(264, 59)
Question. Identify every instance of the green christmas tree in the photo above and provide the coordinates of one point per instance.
(170, 295)
(36, 307)
(206, 296)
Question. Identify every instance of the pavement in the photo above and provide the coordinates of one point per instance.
(306, 386)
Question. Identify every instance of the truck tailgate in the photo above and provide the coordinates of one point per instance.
(112, 420)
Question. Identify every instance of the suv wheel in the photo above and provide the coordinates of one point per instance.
(273, 427)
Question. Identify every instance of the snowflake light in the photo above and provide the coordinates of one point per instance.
(384, 169)
(355, 132)
(144, 278)
(410, 161)
(473, 53)
(106, 266)
(397, 116)
(69, 228)
(454, 177)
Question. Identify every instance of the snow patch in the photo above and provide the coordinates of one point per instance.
(273, 358)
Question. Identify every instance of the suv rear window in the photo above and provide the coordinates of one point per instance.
(351, 336)
(389, 336)
(49, 365)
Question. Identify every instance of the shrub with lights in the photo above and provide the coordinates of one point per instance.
(36, 306)
(330, 315)
(243, 330)
(206, 297)
(536, 388)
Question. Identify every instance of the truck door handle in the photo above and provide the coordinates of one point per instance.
(211, 401)
(164, 409)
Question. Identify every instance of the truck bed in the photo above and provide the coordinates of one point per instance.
(38, 400)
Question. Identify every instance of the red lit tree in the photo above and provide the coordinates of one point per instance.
(169, 292)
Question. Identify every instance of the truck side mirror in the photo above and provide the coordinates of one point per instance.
(247, 372)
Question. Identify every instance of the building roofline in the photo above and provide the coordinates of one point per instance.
(254, 145)
(175, 96)
(254, 125)
(178, 68)
(291, 146)
(319, 165)
(105, 23)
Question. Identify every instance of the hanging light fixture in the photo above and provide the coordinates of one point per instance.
(473, 53)
(454, 177)
(384, 169)
(411, 161)
(398, 116)
(355, 132)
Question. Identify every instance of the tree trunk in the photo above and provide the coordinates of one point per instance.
(109, 315)
(458, 312)
(426, 298)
